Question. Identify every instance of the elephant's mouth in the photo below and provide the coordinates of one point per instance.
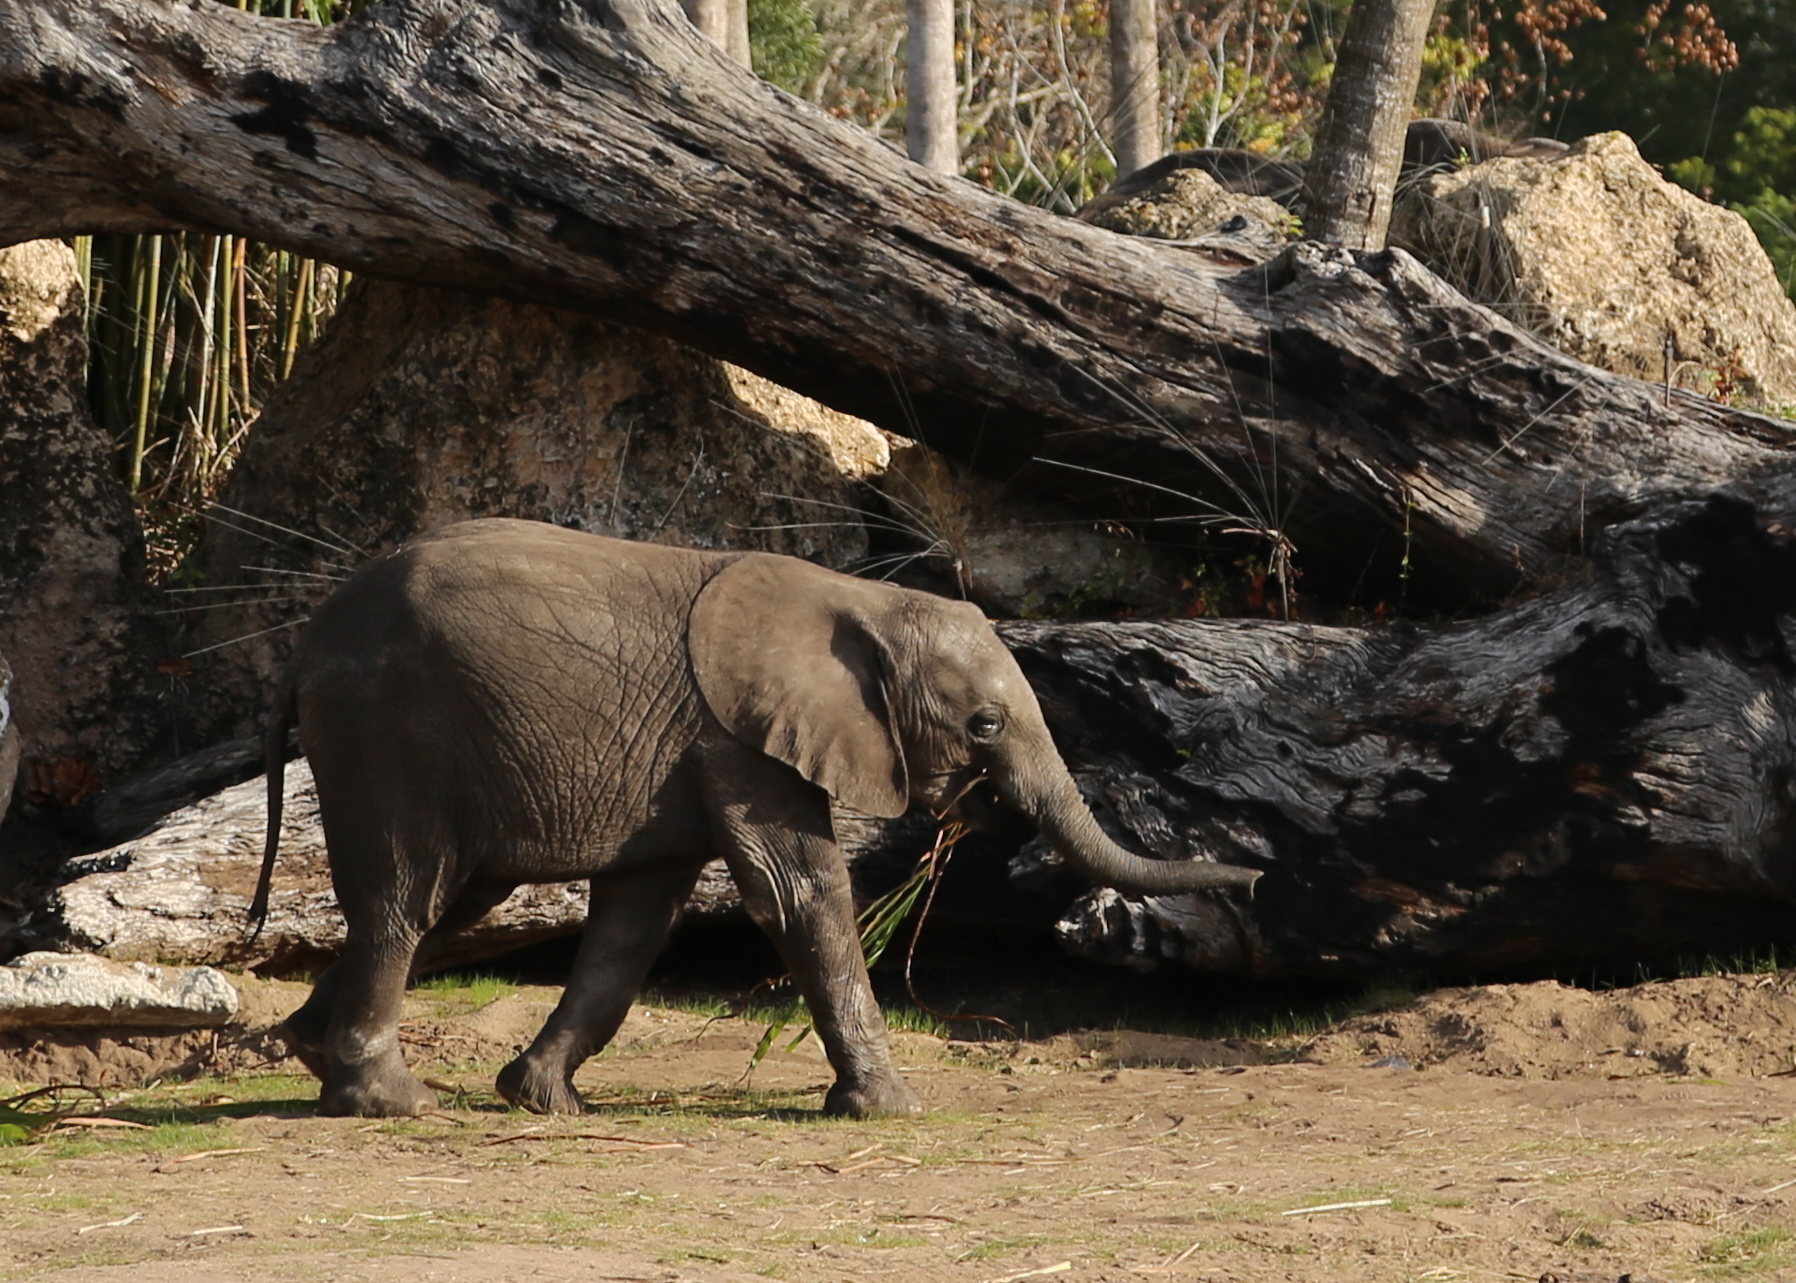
(964, 796)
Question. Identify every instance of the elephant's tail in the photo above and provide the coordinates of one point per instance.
(274, 753)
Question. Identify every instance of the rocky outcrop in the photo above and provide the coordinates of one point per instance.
(421, 408)
(1599, 255)
(1153, 199)
(59, 990)
(1190, 206)
(957, 533)
(75, 620)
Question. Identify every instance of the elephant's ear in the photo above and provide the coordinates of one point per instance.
(787, 656)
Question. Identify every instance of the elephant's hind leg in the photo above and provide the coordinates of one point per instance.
(364, 1073)
(626, 927)
(389, 913)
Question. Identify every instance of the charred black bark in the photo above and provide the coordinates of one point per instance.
(1606, 772)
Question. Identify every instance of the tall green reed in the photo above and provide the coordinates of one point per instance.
(188, 333)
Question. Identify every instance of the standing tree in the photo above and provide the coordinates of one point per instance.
(737, 41)
(1359, 145)
(725, 21)
(930, 111)
(1135, 83)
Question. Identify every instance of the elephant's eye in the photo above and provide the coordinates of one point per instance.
(985, 726)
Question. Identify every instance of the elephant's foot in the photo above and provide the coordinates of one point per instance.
(529, 1085)
(879, 1098)
(379, 1089)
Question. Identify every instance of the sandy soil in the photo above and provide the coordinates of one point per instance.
(1501, 1133)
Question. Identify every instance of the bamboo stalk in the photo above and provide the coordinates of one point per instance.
(151, 277)
(299, 308)
(241, 286)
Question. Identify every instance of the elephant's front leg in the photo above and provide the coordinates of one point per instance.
(778, 841)
(626, 927)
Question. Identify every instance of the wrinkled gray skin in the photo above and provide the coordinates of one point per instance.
(507, 702)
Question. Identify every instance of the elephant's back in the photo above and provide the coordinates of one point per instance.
(543, 672)
(494, 591)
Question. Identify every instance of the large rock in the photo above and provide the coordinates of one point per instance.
(1190, 206)
(420, 408)
(955, 532)
(1595, 252)
(58, 990)
(75, 616)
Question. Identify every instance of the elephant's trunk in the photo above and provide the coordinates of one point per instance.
(1061, 815)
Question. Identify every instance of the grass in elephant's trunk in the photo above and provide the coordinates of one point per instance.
(879, 923)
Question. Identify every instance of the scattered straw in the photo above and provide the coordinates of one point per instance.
(112, 1225)
(1338, 1207)
(1060, 1268)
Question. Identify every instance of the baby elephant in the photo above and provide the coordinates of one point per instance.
(507, 702)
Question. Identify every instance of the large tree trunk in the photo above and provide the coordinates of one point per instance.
(1352, 175)
(1607, 771)
(602, 156)
(74, 610)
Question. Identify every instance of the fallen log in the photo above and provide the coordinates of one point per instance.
(601, 155)
(178, 893)
(1605, 772)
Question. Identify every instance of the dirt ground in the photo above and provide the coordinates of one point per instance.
(1507, 1132)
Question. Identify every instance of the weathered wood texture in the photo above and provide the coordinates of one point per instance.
(601, 155)
(178, 893)
(1608, 771)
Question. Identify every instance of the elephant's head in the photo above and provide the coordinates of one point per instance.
(884, 697)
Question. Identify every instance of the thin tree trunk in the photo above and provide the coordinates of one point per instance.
(712, 17)
(930, 124)
(1352, 174)
(1135, 84)
(737, 44)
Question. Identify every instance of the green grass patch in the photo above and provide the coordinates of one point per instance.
(1748, 1252)
(464, 992)
(166, 1116)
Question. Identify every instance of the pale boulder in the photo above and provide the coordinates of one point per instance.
(59, 990)
(1599, 255)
